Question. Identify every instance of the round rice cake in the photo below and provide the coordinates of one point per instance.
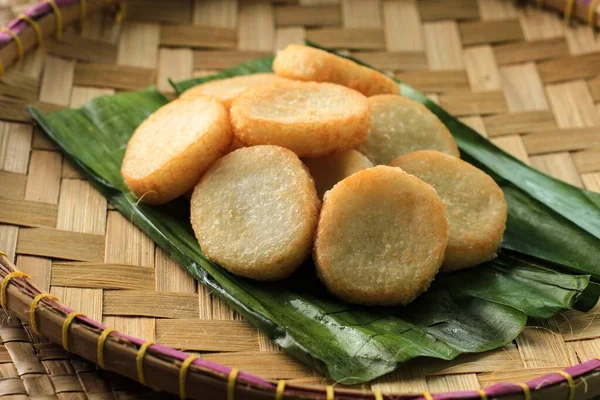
(171, 149)
(400, 126)
(225, 90)
(310, 64)
(311, 119)
(381, 237)
(329, 170)
(476, 209)
(255, 211)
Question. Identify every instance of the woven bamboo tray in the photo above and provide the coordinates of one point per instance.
(516, 74)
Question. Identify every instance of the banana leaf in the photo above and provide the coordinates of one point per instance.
(469, 311)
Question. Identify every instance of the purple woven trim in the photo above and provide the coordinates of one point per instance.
(34, 12)
(180, 355)
(497, 390)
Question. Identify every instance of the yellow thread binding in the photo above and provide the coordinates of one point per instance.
(83, 12)
(377, 394)
(231, 383)
(36, 28)
(569, 10)
(100, 347)
(280, 390)
(427, 396)
(34, 303)
(592, 13)
(65, 329)
(482, 394)
(185, 365)
(121, 12)
(526, 391)
(571, 383)
(1, 252)
(17, 41)
(330, 393)
(139, 361)
(5, 283)
(59, 20)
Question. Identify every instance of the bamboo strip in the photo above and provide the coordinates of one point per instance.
(490, 32)
(221, 13)
(15, 145)
(170, 277)
(150, 304)
(61, 244)
(102, 276)
(443, 46)
(436, 81)
(78, 48)
(196, 36)
(520, 122)
(308, 16)
(462, 103)
(221, 59)
(482, 68)
(404, 61)
(27, 213)
(448, 9)
(353, 39)
(43, 181)
(402, 22)
(513, 53)
(13, 185)
(206, 335)
(113, 76)
(523, 88)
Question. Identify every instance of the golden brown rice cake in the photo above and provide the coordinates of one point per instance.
(381, 237)
(171, 149)
(400, 126)
(311, 119)
(476, 208)
(310, 64)
(227, 89)
(329, 170)
(255, 212)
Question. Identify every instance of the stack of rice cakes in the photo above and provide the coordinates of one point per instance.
(324, 157)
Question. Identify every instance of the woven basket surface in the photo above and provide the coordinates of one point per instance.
(516, 74)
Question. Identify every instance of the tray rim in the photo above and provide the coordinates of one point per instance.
(21, 292)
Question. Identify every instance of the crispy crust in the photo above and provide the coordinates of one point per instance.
(255, 212)
(310, 64)
(311, 119)
(381, 237)
(175, 175)
(329, 170)
(476, 208)
(225, 90)
(400, 126)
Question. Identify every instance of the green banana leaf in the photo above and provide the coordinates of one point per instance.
(469, 311)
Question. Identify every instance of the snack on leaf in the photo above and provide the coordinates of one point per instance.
(171, 149)
(329, 170)
(476, 209)
(255, 212)
(225, 90)
(311, 119)
(400, 126)
(381, 237)
(310, 64)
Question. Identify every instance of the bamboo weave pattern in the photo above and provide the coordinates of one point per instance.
(516, 74)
